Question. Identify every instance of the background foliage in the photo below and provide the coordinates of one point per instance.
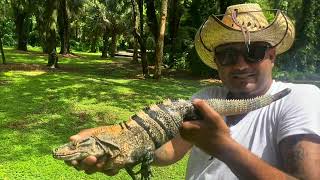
(105, 26)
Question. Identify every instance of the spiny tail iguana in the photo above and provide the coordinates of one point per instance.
(134, 141)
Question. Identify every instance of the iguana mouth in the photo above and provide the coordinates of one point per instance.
(70, 156)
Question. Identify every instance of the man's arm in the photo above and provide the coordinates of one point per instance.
(171, 151)
(301, 156)
(212, 135)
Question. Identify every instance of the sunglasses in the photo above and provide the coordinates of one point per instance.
(227, 55)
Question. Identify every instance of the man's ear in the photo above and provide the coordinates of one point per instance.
(272, 54)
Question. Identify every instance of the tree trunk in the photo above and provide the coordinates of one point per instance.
(77, 32)
(105, 44)
(64, 27)
(21, 30)
(135, 51)
(175, 13)
(143, 49)
(153, 26)
(51, 20)
(159, 45)
(93, 45)
(41, 26)
(140, 35)
(53, 59)
(113, 48)
(152, 19)
(2, 52)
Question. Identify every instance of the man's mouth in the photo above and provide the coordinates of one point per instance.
(243, 75)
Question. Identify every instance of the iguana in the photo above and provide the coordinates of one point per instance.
(134, 141)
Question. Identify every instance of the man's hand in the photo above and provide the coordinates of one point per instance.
(90, 164)
(211, 134)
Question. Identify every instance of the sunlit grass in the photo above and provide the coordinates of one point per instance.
(40, 109)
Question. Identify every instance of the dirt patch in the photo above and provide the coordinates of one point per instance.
(71, 55)
(36, 67)
(23, 67)
(17, 125)
(4, 82)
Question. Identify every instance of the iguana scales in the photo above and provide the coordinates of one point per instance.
(134, 141)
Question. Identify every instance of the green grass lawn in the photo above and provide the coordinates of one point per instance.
(41, 108)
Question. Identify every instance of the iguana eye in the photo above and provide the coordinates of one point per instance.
(74, 145)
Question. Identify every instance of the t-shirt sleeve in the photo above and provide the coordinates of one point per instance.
(300, 112)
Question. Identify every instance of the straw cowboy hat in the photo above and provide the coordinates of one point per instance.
(243, 23)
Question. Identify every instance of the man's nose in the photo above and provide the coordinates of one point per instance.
(241, 62)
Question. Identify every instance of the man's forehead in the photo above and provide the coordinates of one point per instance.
(241, 44)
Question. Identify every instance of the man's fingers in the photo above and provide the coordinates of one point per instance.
(90, 160)
(189, 129)
(191, 125)
(205, 109)
(88, 164)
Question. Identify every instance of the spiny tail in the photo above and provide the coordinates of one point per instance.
(281, 94)
(233, 107)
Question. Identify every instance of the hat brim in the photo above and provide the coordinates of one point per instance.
(280, 33)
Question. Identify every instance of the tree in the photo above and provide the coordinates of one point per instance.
(304, 55)
(68, 11)
(4, 25)
(139, 34)
(159, 44)
(94, 24)
(21, 13)
(40, 27)
(106, 36)
(116, 13)
(2, 52)
(135, 50)
(51, 13)
(64, 26)
(175, 14)
(152, 19)
(107, 19)
(103, 21)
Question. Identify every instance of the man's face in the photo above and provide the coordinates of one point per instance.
(245, 73)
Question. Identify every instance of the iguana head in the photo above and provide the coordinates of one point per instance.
(79, 150)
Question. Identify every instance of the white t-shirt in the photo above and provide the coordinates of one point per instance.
(260, 131)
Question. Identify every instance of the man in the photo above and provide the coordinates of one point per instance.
(280, 141)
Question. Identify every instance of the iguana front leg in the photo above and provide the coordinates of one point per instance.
(145, 169)
(146, 162)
